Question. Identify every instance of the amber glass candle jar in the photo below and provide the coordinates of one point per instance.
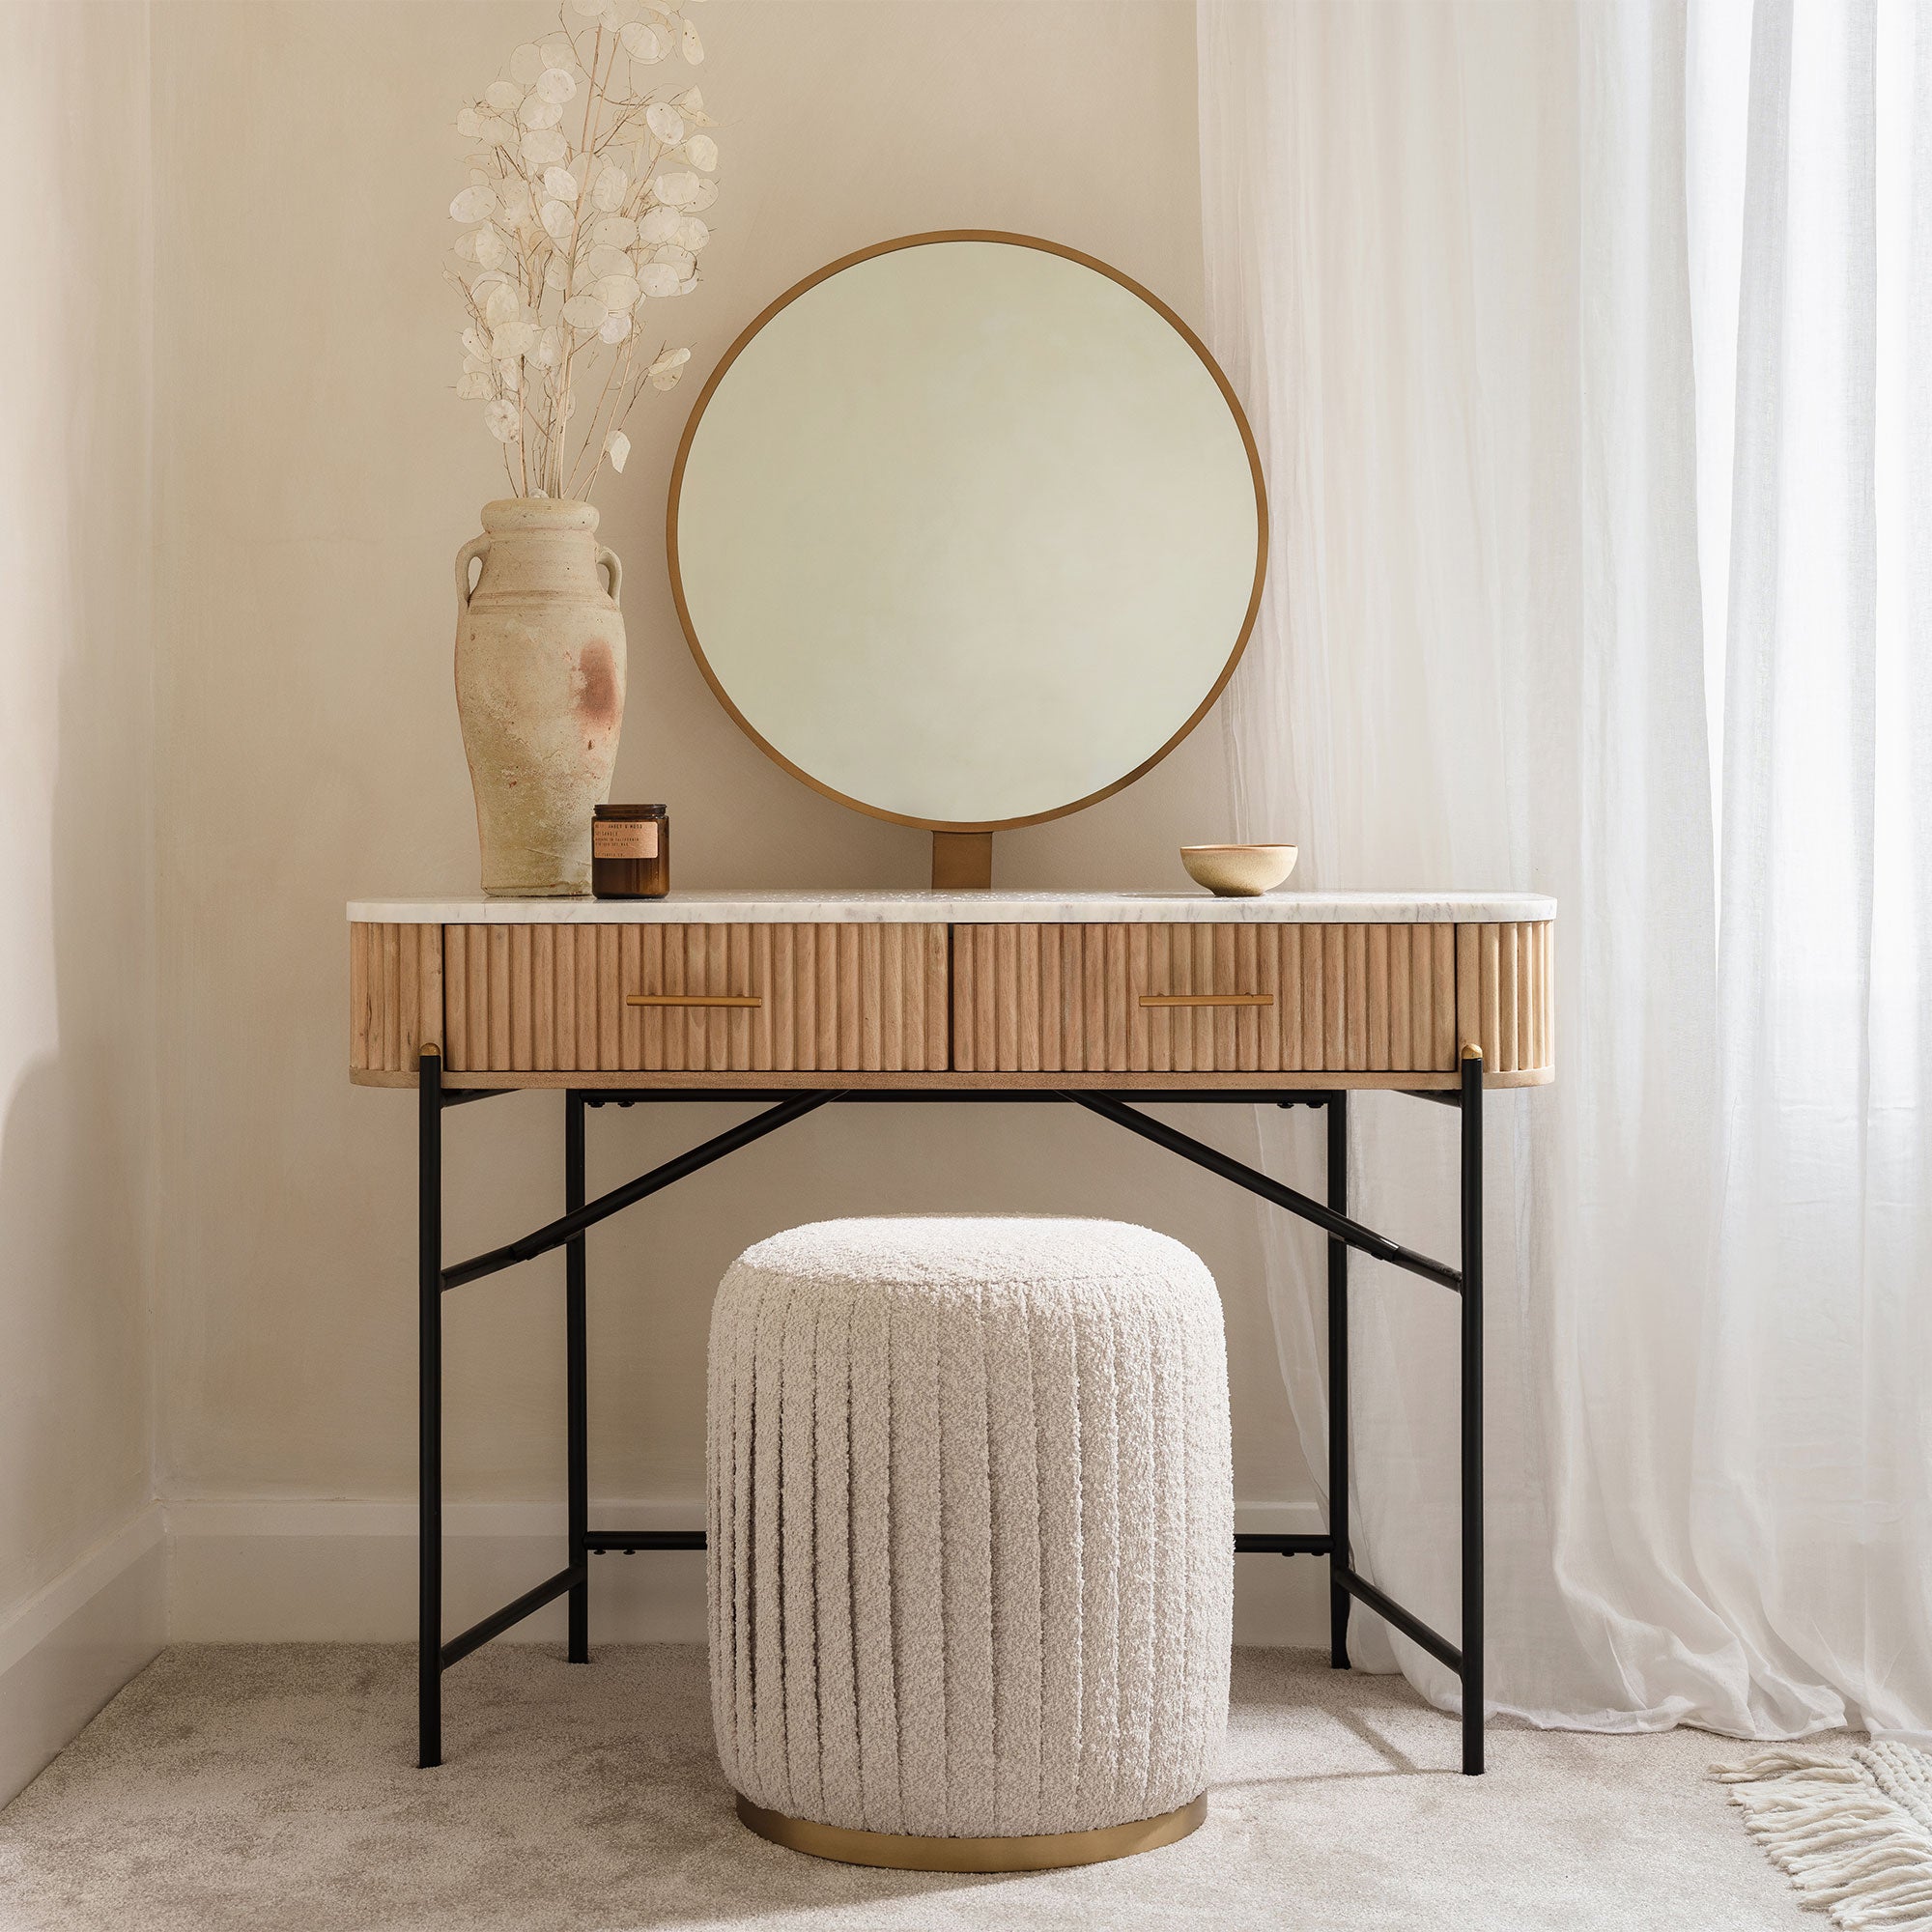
(630, 852)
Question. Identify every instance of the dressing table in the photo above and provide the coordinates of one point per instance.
(810, 539)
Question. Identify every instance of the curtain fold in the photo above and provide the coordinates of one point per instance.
(1585, 347)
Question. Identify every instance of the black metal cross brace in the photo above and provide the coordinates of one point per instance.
(1345, 1584)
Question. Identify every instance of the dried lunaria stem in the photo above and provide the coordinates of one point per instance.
(583, 204)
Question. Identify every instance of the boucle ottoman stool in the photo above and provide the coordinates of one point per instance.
(971, 1540)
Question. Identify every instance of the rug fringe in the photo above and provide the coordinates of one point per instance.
(1846, 1847)
(1776, 1763)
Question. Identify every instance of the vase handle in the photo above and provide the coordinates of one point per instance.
(476, 547)
(607, 560)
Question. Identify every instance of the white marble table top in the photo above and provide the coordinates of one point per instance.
(767, 907)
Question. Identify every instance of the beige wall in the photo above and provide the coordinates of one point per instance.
(75, 825)
(317, 476)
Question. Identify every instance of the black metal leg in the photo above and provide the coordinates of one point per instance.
(429, 1408)
(1338, 1386)
(576, 1384)
(1331, 1217)
(1472, 1410)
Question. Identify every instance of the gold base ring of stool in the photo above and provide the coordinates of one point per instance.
(1046, 1851)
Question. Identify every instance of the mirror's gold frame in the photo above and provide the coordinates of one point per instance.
(962, 851)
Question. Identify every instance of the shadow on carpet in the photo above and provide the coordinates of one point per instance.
(274, 1788)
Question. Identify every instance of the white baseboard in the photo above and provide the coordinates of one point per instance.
(327, 1571)
(69, 1649)
(298, 1570)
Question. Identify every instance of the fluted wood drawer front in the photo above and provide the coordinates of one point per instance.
(395, 995)
(1248, 998)
(1506, 994)
(713, 998)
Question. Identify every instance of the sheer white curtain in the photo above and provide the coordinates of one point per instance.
(1588, 348)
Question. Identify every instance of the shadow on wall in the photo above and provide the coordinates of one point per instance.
(74, 1165)
(76, 821)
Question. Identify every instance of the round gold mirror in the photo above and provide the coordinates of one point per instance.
(967, 531)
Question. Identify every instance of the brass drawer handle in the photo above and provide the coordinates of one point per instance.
(1207, 999)
(693, 1000)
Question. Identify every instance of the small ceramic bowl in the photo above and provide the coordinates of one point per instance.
(1238, 872)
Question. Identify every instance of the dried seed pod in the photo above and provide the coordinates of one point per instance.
(567, 233)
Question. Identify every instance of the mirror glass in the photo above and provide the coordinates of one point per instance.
(967, 531)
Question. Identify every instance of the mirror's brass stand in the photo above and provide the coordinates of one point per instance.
(962, 861)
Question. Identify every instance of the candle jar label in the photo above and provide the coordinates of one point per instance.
(624, 839)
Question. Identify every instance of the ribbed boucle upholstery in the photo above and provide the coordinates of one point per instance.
(972, 1524)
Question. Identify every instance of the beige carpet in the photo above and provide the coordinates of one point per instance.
(272, 1789)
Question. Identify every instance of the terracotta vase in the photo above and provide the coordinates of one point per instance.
(540, 691)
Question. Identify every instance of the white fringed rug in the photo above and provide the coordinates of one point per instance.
(1854, 1834)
